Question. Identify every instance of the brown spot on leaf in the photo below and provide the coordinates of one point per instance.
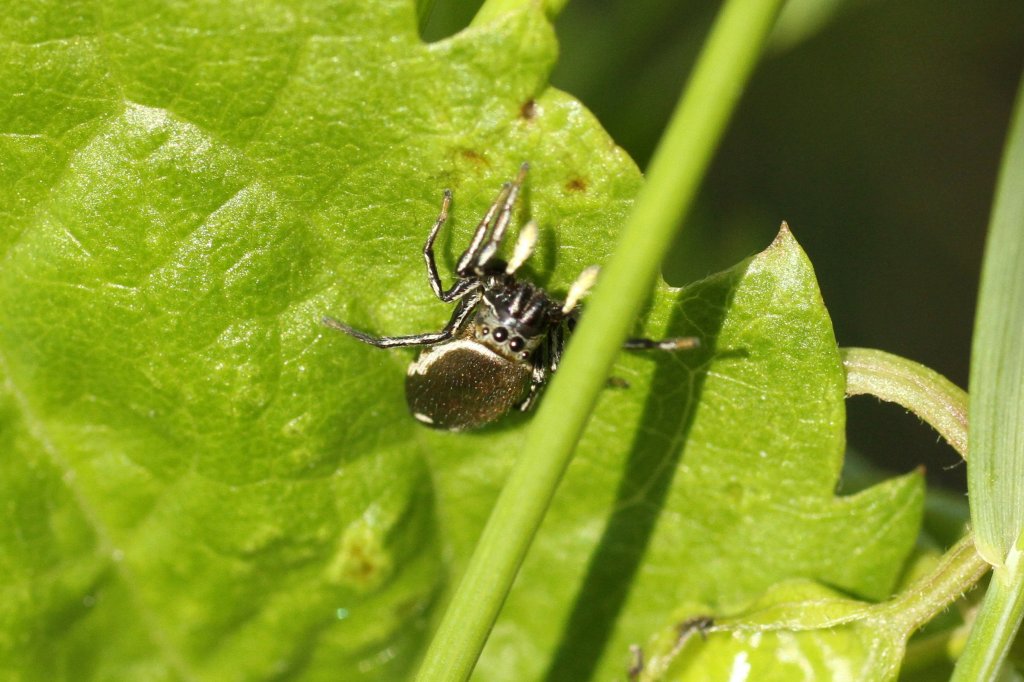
(474, 156)
(529, 109)
(362, 562)
(576, 184)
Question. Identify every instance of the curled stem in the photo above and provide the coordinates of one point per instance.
(926, 393)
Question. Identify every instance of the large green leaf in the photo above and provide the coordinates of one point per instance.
(711, 478)
(200, 482)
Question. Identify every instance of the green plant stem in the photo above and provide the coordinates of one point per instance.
(959, 570)
(961, 567)
(926, 393)
(676, 169)
(996, 624)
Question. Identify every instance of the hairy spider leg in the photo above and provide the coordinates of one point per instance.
(494, 241)
(461, 286)
(546, 361)
(670, 344)
(557, 341)
(472, 261)
(581, 287)
(469, 256)
(539, 375)
(462, 310)
(428, 247)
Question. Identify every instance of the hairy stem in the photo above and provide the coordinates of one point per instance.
(926, 393)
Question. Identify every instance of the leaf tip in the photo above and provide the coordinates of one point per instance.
(784, 235)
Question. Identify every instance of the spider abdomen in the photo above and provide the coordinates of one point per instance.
(463, 384)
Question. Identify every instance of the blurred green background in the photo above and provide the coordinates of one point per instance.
(874, 129)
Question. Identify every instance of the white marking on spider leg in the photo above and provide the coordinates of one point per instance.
(524, 247)
(679, 343)
(580, 287)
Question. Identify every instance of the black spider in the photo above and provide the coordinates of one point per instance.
(504, 338)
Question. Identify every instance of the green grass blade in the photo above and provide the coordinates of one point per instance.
(995, 472)
(680, 162)
(995, 475)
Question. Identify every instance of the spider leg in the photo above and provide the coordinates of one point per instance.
(469, 256)
(461, 285)
(494, 241)
(673, 343)
(557, 340)
(637, 666)
(670, 344)
(537, 381)
(478, 252)
(545, 364)
(462, 311)
(428, 250)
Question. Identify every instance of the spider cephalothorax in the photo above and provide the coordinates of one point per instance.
(504, 338)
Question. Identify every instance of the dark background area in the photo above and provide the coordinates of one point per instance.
(875, 129)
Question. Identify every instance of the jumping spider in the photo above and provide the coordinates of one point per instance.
(505, 337)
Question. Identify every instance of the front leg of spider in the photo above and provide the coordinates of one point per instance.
(462, 311)
(505, 336)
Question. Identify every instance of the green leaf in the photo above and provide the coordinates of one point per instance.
(200, 482)
(995, 474)
(673, 501)
(697, 124)
(850, 647)
(800, 629)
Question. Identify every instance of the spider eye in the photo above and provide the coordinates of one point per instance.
(516, 344)
(500, 334)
